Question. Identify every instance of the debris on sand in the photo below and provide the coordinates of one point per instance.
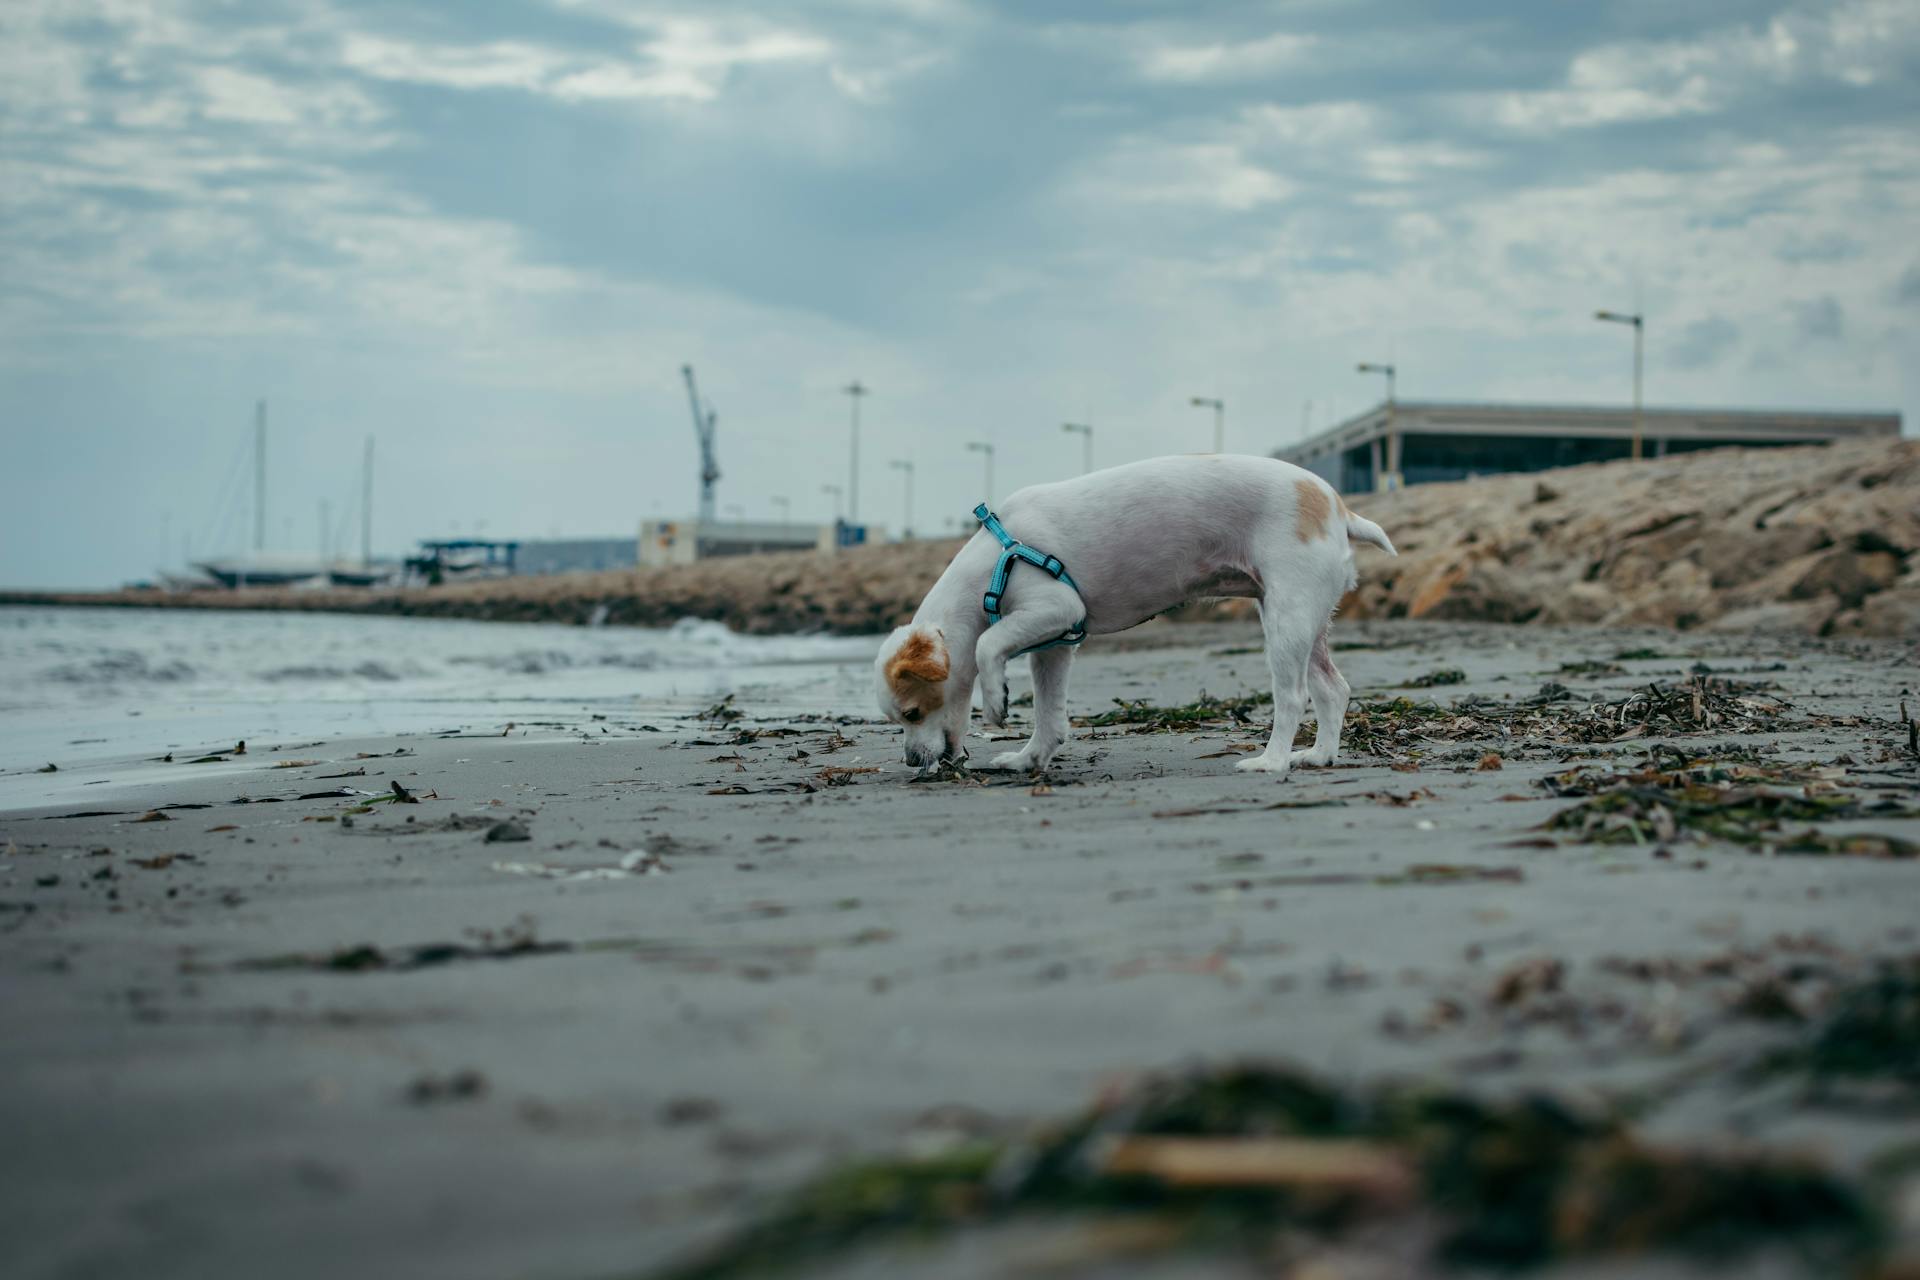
(1746, 803)
(640, 862)
(507, 831)
(460, 1086)
(1445, 675)
(1864, 1051)
(722, 712)
(1557, 718)
(1206, 711)
(1592, 667)
(1233, 1160)
(512, 943)
(842, 775)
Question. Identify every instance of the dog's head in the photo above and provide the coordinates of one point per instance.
(911, 677)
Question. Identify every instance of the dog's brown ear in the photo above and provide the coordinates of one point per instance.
(921, 657)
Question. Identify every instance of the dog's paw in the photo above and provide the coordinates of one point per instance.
(1014, 761)
(1265, 762)
(1310, 755)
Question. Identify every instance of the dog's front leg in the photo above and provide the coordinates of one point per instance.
(1050, 670)
(1023, 628)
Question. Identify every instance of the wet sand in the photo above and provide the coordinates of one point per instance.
(285, 1038)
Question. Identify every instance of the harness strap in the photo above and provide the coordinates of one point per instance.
(1012, 552)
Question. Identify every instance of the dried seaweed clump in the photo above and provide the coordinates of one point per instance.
(1865, 1049)
(1745, 803)
(1238, 1158)
(1205, 711)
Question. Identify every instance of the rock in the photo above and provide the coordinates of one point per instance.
(1807, 617)
(1894, 612)
(1680, 595)
(1850, 575)
(1733, 554)
(507, 832)
(1481, 589)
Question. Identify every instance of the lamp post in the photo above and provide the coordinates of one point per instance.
(835, 492)
(980, 446)
(1638, 321)
(853, 392)
(1085, 431)
(1219, 408)
(906, 525)
(1389, 478)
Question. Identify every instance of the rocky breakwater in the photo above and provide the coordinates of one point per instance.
(1817, 539)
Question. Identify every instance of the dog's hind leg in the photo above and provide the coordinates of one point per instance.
(1330, 693)
(1290, 639)
(1050, 670)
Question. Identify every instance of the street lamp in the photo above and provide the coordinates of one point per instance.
(1390, 477)
(1084, 430)
(1638, 322)
(1219, 408)
(978, 446)
(853, 392)
(836, 493)
(906, 526)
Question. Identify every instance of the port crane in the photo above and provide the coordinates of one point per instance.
(703, 422)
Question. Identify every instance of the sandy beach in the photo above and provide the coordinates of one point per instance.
(585, 1000)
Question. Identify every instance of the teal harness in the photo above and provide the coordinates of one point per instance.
(1013, 552)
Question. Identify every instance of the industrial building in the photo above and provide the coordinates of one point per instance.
(685, 541)
(1420, 441)
(573, 555)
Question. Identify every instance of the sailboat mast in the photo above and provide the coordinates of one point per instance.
(366, 508)
(260, 475)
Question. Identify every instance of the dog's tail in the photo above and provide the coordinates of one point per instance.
(1361, 529)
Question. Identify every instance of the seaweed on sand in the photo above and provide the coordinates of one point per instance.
(1235, 1158)
(1866, 1045)
(1554, 717)
(1745, 803)
(1141, 716)
(1444, 675)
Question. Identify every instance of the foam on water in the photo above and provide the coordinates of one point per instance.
(82, 688)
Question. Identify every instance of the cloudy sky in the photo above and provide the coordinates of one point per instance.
(489, 233)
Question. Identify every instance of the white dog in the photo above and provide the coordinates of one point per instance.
(1108, 551)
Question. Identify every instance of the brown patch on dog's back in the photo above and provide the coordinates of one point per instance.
(1313, 512)
(918, 674)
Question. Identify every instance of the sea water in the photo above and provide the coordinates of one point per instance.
(87, 689)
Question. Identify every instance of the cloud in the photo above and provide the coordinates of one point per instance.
(1820, 318)
(686, 59)
(1856, 44)
(1226, 61)
(522, 219)
(1702, 343)
(1213, 175)
(1907, 291)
